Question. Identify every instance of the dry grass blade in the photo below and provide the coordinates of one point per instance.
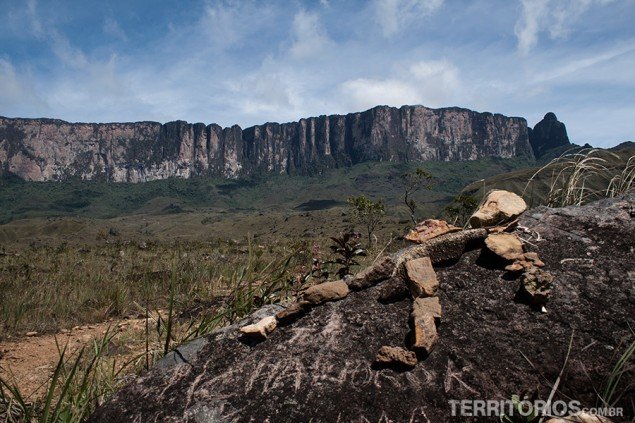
(609, 396)
(557, 382)
(624, 181)
(589, 174)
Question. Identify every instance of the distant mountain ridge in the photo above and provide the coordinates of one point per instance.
(50, 150)
(548, 134)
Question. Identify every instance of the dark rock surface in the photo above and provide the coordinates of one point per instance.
(319, 368)
(547, 134)
(47, 149)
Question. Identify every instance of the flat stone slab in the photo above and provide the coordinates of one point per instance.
(429, 305)
(396, 356)
(430, 228)
(324, 292)
(422, 280)
(424, 334)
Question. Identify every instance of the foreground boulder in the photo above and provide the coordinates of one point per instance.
(498, 208)
(321, 367)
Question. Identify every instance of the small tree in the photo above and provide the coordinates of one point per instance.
(367, 212)
(347, 248)
(413, 182)
(461, 209)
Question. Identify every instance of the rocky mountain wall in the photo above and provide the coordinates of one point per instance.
(547, 134)
(49, 150)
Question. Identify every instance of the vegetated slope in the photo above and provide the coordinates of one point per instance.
(203, 209)
(535, 193)
(177, 199)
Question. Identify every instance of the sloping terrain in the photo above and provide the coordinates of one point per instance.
(491, 346)
(207, 208)
(535, 192)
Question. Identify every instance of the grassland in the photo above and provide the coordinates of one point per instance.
(593, 169)
(205, 209)
(81, 252)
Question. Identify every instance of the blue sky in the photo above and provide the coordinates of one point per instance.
(249, 62)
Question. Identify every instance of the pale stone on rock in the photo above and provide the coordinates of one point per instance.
(498, 208)
(424, 331)
(422, 280)
(516, 266)
(429, 305)
(260, 329)
(507, 246)
(327, 291)
(396, 356)
(429, 229)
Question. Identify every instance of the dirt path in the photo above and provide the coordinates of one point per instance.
(30, 360)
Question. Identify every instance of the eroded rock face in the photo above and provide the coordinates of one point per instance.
(548, 133)
(47, 149)
(320, 367)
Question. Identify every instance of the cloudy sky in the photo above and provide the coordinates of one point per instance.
(249, 62)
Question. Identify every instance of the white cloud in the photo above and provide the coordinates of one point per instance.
(529, 25)
(68, 54)
(556, 17)
(433, 83)
(111, 27)
(226, 23)
(23, 20)
(273, 92)
(16, 89)
(393, 15)
(33, 17)
(577, 65)
(309, 36)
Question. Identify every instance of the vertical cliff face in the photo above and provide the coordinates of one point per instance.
(45, 149)
(547, 134)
